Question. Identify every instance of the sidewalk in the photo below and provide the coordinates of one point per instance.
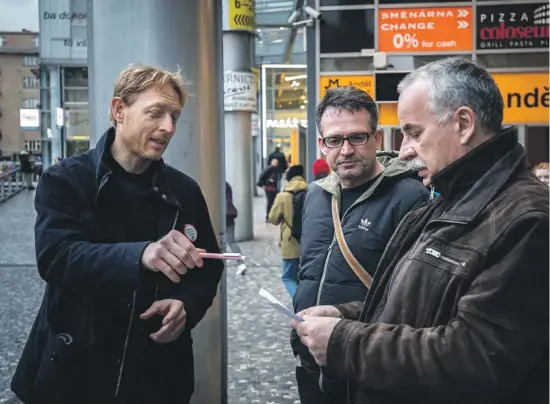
(261, 364)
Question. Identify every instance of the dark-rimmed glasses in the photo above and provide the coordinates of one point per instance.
(356, 139)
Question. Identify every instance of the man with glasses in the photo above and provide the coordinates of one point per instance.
(374, 191)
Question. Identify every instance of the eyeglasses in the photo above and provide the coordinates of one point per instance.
(356, 139)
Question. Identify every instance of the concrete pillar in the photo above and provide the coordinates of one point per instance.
(521, 135)
(238, 61)
(387, 139)
(171, 34)
(55, 102)
(312, 100)
(44, 111)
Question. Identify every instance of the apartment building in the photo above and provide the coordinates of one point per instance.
(19, 93)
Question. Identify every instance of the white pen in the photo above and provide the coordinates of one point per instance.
(224, 256)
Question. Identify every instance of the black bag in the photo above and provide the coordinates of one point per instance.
(298, 199)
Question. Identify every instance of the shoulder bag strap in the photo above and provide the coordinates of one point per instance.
(361, 273)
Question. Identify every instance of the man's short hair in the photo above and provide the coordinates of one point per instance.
(350, 99)
(136, 79)
(458, 82)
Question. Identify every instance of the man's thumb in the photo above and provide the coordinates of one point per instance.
(151, 311)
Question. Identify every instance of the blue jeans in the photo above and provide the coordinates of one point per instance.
(290, 275)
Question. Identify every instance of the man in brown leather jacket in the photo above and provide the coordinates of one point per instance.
(458, 311)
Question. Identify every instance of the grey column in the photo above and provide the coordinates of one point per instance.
(239, 154)
(521, 135)
(55, 93)
(44, 112)
(387, 139)
(312, 94)
(172, 34)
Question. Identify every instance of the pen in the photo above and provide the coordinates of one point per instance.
(224, 256)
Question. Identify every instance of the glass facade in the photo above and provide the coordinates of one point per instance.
(284, 100)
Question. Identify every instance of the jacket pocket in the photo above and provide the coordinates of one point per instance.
(59, 370)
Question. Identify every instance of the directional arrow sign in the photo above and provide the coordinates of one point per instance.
(462, 13)
(462, 24)
(240, 15)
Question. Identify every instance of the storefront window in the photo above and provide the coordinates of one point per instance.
(285, 96)
(344, 31)
(511, 60)
(537, 139)
(346, 64)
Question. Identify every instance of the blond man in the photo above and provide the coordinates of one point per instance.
(118, 240)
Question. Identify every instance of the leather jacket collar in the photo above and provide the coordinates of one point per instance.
(471, 182)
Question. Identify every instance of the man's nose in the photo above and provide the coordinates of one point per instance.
(347, 149)
(406, 152)
(167, 124)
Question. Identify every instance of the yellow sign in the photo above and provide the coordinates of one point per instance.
(526, 97)
(242, 15)
(387, 115)
(365, 83)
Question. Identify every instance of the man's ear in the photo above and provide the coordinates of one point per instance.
(466, 124)
(117, 109)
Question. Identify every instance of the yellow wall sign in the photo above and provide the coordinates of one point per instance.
(526, 97)
(242, 15)
(365, 83)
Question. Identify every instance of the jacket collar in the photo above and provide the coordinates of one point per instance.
(160, 181)
(393, 167)
(471, 182)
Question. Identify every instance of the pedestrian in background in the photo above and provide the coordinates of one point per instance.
(231, 214)
(268, 181)
(282, 214)
(320, 169)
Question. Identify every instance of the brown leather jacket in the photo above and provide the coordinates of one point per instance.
(458, 312)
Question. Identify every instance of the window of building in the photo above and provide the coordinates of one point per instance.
(410, 62)
(30, 61)
(510, 60)
(33, 145)
(31, 103)
(346, 64)
(2, 40)
(386, 86)
(31, 82)
(346, 31)
(324, 3)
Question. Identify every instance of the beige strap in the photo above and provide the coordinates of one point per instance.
(361, 272)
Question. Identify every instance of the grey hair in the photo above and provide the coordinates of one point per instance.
(350, 99)
(457, 82)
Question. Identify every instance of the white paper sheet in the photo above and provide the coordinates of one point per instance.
(278, 305)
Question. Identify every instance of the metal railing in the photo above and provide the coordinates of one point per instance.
(11, 182)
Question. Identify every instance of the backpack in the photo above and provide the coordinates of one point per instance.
(298, 199)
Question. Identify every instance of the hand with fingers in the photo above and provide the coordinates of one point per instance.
(173, 255)
(173, 322)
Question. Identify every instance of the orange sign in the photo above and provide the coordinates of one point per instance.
(431, 29)
(526, 100)
(526, 97)
(365, 83)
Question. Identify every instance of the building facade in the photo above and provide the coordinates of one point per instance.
(373, 44)
(19, 94)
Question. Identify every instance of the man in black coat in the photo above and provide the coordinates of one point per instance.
(118, 238)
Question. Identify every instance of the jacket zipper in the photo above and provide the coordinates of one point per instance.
(126, 340)
(437, 254)
(129, 330)
(324, 272)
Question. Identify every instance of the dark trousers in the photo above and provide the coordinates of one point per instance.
(334, 391)
(270, 196)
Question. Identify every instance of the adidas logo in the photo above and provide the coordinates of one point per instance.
(364, 224)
